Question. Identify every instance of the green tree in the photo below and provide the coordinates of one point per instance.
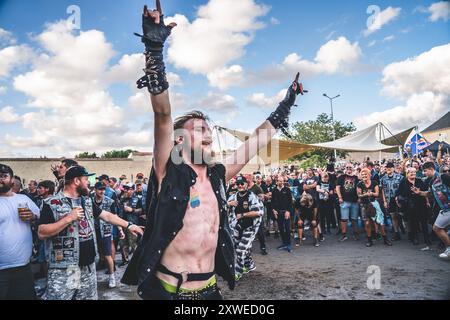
(117, 154)
(87, 155)
(318, 131)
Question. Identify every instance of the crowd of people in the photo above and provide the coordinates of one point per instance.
(387, 200)
(63, 225)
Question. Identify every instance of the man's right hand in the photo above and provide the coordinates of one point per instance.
(128, 209)
(341, 201)
(77, 214)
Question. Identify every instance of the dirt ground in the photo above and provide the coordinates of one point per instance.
(333, 271)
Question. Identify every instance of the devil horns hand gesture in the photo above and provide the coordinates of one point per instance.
(154, 29)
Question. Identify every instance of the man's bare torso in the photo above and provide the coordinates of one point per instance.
(193, 249)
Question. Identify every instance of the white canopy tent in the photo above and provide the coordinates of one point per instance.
(376, 138)
(368, 140)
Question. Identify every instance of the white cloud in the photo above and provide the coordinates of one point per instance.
(335, 56)
(174, 79)
(128, 69)
(274, 21)
(226, 77)
(372, 43)
(389, 38)
(260, 99)
(381, 19)
(422, 82)
(6, 37)
(430, 71)
(419, 109)
(68, 82)
(217, 102)
(218, 35)
(3, 90)
(439, 10)
(14, 56)
(140, 101)
(35, 141)
(7, 115)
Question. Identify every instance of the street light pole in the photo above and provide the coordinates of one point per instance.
(332, 119)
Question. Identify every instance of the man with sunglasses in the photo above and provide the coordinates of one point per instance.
(348, 200)
(16, 277)
(246, 211)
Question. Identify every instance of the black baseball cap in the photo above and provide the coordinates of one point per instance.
(6, 169)
(241, 179)
(76, 172)
(390, 165)
(103, 177)
(100, 186)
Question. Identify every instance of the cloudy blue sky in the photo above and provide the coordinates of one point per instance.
(65, 90)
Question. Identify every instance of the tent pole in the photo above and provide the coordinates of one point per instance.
(399, 142)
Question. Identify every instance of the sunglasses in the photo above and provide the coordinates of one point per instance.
(445, 171)
(241, 183)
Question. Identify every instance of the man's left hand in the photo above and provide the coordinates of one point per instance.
(26, 216)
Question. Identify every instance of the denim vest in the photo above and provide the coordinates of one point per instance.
(63, 250)
(441, 193)
(105, 227)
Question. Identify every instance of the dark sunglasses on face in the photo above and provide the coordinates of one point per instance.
(240, 183)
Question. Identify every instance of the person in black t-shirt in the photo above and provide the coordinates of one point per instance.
(283, 210)
(325, 189)
(308, 212)
(268, 187)
(246, 211)
(368, 192)
(232, 188)
(415, 206)
(348, 200)
(310, 183)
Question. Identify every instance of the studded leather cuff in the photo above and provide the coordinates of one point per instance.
(155, 73)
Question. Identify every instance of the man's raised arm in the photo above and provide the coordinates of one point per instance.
(155, 33)
(264, 133)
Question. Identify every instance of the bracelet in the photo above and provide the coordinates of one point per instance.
(129, 225)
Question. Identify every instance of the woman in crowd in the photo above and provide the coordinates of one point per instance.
(368, 192)
(414, 205)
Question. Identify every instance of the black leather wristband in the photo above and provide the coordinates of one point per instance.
(155, 78)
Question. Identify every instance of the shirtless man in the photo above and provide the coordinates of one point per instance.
(186, 241)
